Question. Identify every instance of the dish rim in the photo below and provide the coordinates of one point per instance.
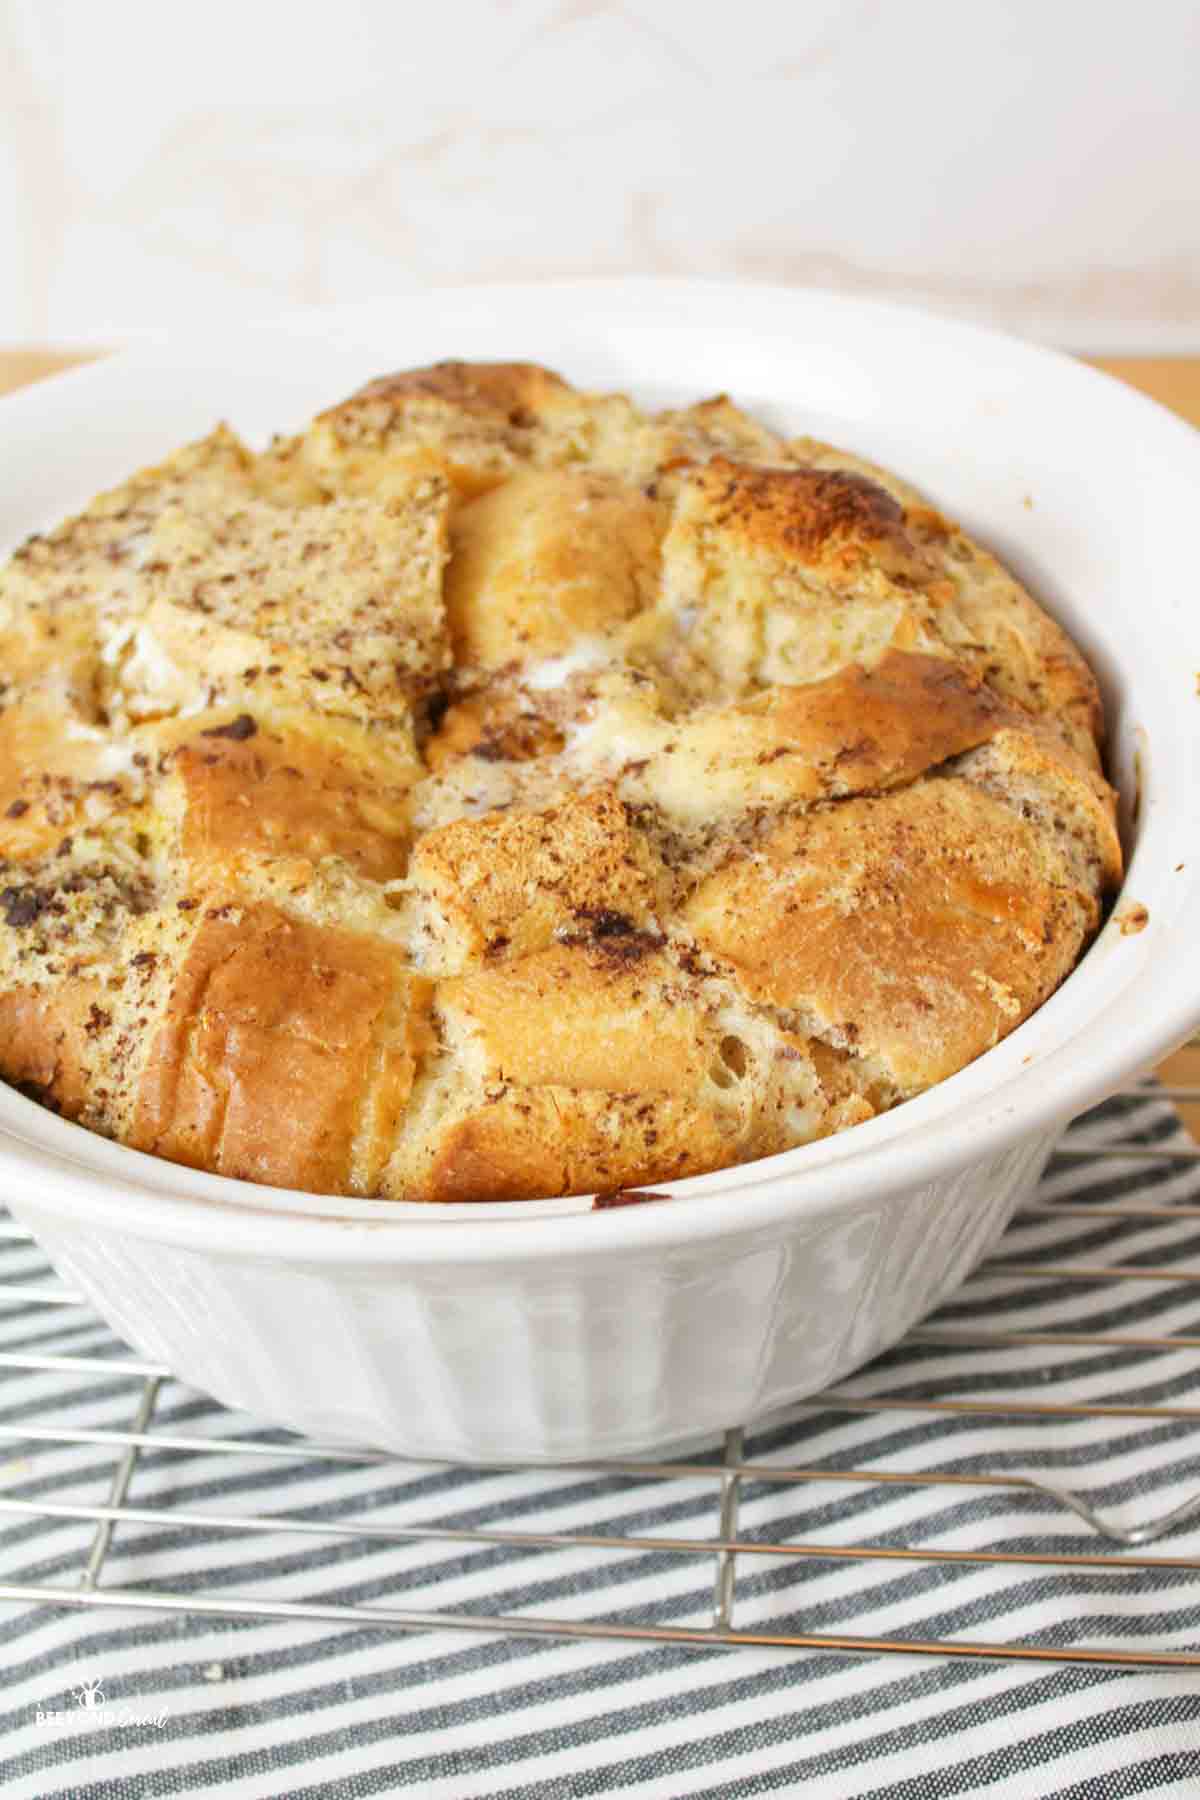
(97, 1180)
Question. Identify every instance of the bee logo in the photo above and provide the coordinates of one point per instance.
(89, 1694)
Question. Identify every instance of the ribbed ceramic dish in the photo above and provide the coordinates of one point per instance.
(549, 1330)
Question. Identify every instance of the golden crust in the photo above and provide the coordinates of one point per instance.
(816, 518)
(601, 1057)
(251, 792)
(716, 427)
(574, 1015)
(285, 1053)
(500, 790)
(340, 604)
(474, 420)
(856, 731)
(585, 544)
(500, 886)
(786, 575)
(45, 1043)
(519, 1143)
(570, 1091)
(512, 391)
(1031, 767)
(914, 929)
(1027, 655)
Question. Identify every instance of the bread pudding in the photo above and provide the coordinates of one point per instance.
(499, 791)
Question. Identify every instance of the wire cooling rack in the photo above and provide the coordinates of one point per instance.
(1139, 1215)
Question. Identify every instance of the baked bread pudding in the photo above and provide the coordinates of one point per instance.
(500, 791)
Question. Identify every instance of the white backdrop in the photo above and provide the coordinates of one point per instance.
(1036, 162)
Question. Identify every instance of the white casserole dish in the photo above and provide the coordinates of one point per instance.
(548, 1330)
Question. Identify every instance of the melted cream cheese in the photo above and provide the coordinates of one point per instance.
(146, 677)
(587, 654)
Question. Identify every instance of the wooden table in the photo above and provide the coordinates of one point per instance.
(1174, 381)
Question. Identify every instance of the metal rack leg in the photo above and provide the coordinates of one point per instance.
(725, 1582)
(122, 1476)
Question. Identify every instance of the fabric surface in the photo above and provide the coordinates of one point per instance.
(292, 1707)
